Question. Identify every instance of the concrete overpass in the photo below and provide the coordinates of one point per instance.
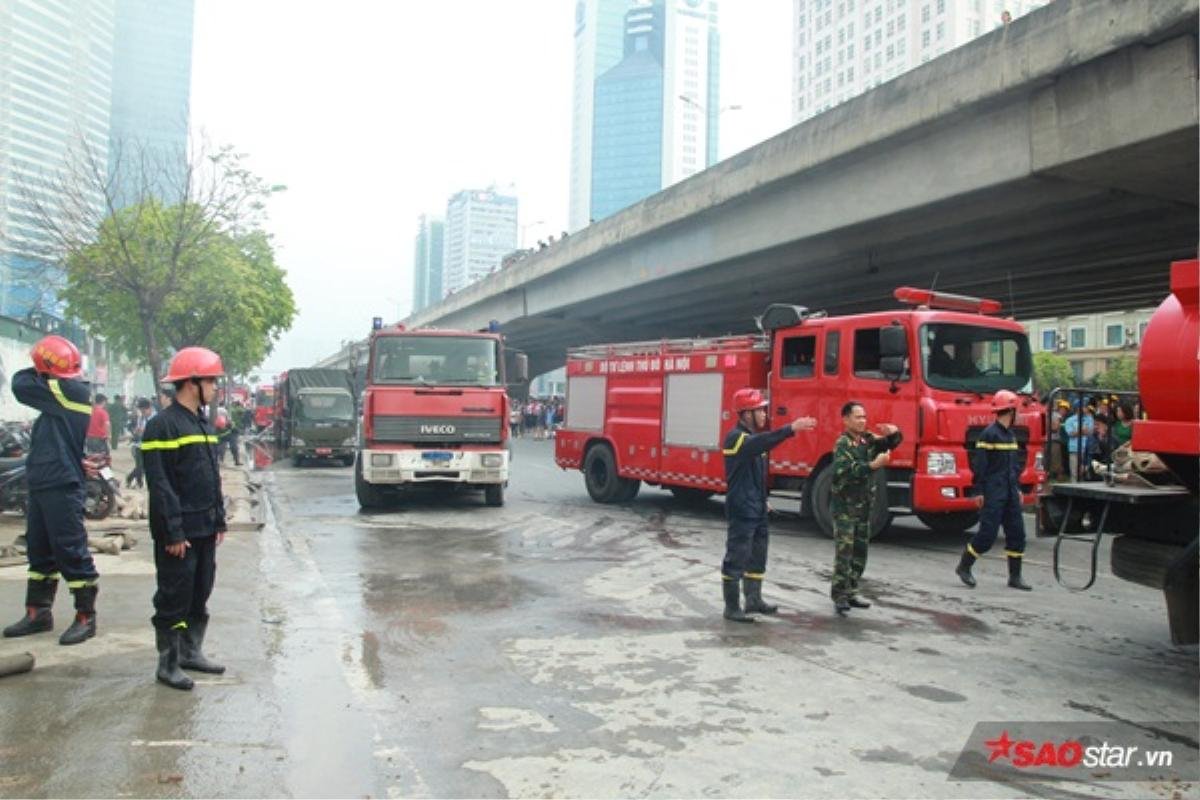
(1051, 164)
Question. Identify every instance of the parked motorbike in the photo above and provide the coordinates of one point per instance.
(100, 486)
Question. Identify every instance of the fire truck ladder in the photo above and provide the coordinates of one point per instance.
(658, 347)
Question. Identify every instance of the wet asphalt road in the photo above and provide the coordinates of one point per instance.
(559, 648)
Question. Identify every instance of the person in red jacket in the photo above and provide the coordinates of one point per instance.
(99, 428)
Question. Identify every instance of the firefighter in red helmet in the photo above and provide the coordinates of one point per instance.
(54, 531)
(187, 514)
(997, 463)
(745, 449)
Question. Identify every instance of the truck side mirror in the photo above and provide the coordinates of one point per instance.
(892, 367)
(521, 365)
(893, 342)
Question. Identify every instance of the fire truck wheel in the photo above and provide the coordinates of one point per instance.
(689, 496)
(881, 518)
(629, 490)
(600, 476)
(952, 522)
(493, 495)
(368, 496)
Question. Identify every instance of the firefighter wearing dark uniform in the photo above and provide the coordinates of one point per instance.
(997, 464)
(745, 449)
(54, 532)
(187, 515)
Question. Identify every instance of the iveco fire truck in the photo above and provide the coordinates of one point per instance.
(655, 412)
(434, 411)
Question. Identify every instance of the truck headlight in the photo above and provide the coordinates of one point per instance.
(938, 463)
(492, 460)
(381, 459)
(1039, 461)
(297, 441)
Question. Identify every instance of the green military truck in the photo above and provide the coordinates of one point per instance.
(315, 415)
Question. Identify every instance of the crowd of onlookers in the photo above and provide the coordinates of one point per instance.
(1086, 430)
(537, 417)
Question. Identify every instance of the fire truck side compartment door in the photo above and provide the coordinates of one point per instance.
(692, 410)
(585, 403)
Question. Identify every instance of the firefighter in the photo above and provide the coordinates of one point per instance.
(187, 515)
(54, 532)
(856, 456)
(745, 451)
(997, 466)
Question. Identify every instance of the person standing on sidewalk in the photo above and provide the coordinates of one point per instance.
(137, 430)
(54, 531)
(745, 450)
(997, 463)
(99, 428)
(856, 457)
(187, 515)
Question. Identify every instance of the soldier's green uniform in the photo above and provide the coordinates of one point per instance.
(851, 497)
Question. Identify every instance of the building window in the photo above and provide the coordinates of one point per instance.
(1114, 335)
(1078, 338)
(924, 38)
(878, 14)
(1049, 341)
(1077, 372)
(900, 22)
(850, 50)
(891, 52)
(891, 28)
(850, 74)
(941, 6)
(1142, 331)
(924, 13)
(941, 31)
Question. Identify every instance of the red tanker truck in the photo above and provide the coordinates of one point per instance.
(1156, 526)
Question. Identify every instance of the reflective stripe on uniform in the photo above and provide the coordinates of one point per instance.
(69, 405)
(733, 451)
(1013, 554)
(754, 576)
(41, 576)
(996, 445)
(179, 626)
(972, 551)
(81, 584)
(175, 444)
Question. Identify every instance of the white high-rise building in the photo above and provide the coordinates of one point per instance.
(56, 61)
(647, 94)
(842, 48)
(480, 229)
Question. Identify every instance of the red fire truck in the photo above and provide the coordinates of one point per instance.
(655, 412)
(434, 411)
(264, 407)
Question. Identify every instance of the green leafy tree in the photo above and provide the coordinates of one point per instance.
(166, 258)
(1121, 375)
(1051, 371)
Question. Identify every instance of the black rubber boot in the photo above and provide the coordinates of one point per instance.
(733, 608)
(39, 597)
(1014, 575)
(963, 570)
(752, 587)
(842, 606)
(168, 660)
(84, 625)
(191, 652)
(857, 602)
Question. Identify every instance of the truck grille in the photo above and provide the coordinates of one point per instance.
(437, 430)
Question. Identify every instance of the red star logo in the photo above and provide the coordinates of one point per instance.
(1001, 748)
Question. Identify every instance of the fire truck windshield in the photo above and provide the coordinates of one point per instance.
(435, 360)
(973, 358)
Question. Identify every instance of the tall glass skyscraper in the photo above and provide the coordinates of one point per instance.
(481, 228)
(56, 61)
(654, 112)
(427, 262)
(151, 90)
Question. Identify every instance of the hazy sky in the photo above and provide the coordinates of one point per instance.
(374, 111)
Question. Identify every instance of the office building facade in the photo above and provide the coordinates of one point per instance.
(653, 112)
(151, 94)
(427, 262)
(480, 229)
(55, 98)
(842, 48)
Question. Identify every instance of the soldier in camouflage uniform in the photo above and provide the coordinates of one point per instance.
(856, 456)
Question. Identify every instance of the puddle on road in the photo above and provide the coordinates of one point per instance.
(933, 693)
(949, 622)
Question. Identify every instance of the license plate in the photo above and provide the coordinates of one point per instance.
(106, 473)
(437, 455)
(324, 451)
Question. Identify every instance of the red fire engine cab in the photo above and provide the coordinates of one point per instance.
(656, 412)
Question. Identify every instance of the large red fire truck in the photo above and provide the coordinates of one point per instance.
(655, 412)
(434, 411)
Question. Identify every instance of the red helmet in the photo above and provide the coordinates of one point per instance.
(54, 355)
(194, 362)
(748, 400)
(1004, 400)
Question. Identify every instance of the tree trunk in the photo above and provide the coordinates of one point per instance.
(153, 354)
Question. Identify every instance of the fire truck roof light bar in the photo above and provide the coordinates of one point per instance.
(946, 301)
